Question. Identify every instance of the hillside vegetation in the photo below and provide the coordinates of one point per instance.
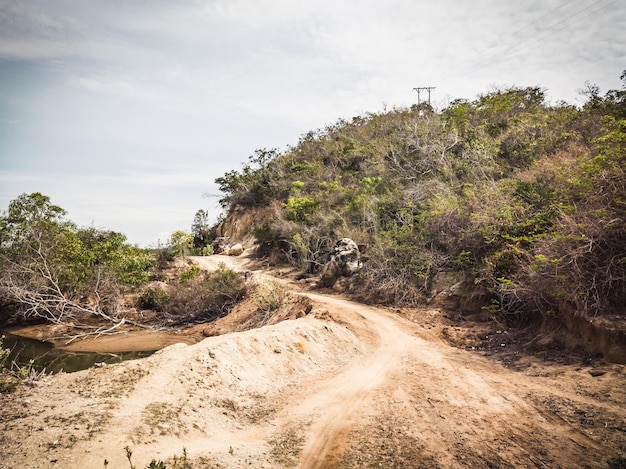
(507, 195)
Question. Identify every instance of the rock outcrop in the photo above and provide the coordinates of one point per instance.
(235, 250)
(344, 261)
(221, 245)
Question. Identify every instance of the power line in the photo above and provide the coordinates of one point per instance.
(511, 35)
(531, 40)
(542, 17)
(489, 59)
(569, 24)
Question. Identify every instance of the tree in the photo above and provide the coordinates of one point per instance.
(108, 251)
(35, 244)
(201, 230)
(250, 185)
(51, 270)
(181, 241)
(28, 217)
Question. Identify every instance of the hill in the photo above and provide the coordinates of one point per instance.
(505, 213)
(506, 206)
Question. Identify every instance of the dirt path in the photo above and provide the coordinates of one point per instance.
(452, 408)
(347, 386)
(341, 400)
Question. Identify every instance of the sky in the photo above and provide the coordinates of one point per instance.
(124, 112)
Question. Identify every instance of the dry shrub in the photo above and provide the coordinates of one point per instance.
(207, 296)
(582, 269)
(386, 279)
(270, 296)
(154, 297)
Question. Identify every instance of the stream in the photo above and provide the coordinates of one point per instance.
(53, 360)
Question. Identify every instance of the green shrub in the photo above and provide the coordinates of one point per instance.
(300, 209)
(296, 186)
(305, 168)
(153, 298)
(189, 274)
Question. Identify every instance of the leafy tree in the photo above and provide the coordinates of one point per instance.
(253, 184)
(27, 214)
(51, 270)
(181, 241)
(37, 251)
(109, 250)
(201, 230)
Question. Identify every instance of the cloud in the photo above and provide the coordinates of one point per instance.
(127, 111)
(133, 89)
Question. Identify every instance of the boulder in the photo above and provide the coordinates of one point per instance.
(221, 245)
(235, 250)
(344, 261)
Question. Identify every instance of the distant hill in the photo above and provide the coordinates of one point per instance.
(507, 200)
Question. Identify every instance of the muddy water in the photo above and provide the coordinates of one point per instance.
(44, 355)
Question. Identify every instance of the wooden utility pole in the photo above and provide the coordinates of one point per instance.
(423, 88)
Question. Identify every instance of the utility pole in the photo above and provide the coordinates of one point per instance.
(423, 88)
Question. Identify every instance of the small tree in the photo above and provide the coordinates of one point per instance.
(181, 241)
(201, 230)
(51, 270)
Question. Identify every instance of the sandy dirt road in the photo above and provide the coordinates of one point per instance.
(347, 386)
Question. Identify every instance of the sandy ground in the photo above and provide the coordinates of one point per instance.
(346, 386)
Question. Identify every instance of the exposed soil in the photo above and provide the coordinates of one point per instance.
(337, 384)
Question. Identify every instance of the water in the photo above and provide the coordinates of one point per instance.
(44, 355)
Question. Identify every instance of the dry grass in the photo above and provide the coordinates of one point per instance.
(388, 443)
(287, 447)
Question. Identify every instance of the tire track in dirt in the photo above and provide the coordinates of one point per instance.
(340, 402)
(455, 399)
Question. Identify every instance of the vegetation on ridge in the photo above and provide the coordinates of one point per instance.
(507, 192)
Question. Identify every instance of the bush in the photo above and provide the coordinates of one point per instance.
(153, 298)
(300, 209)
(207, 296)
(269, 297)
(164, 256)
(189, 274)
(225, 289)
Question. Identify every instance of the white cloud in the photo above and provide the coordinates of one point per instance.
(120, 88)
(127, 111)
